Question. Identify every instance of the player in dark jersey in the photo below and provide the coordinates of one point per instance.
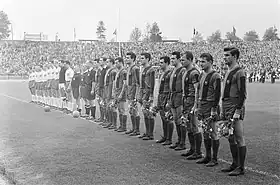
(103, 113)
(119, 93)
(147, 95)
(176, 97)
(163, 98)
(89, 79)
(209, 93)
(108, 87)
(190, 123)
(76, 88)
(133, 84)
(233, 107)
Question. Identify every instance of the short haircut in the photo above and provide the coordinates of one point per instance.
(233, 51)
(67, 62)
(120, 59)
(132, 55)
(166, 59)
(111, 60)
(146, 55)
(189, 55)
(207, 56)
(177, 54)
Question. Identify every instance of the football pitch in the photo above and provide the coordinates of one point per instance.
(52, 148)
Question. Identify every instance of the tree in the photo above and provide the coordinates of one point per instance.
(101, 31)
(197, 38)
(232, 37)
(215, 37)
(147, 32)
(4, 25)
(135, 35)
(155, 34)
(251, 36)
(270, 34)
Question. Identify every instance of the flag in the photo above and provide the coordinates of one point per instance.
(115, 32)
(194, 31)
(233, 30)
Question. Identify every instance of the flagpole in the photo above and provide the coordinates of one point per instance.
(118, 31)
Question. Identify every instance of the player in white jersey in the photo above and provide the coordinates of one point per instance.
(68, 77)
(56, 86)
(44, 80)
(48, 85)
(31, 84)
(40, 85)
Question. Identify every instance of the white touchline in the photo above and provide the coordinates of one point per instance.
(222, 160)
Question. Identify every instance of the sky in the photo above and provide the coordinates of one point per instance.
(176, 18)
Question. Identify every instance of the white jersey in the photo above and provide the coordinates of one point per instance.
(40, 76)
(53, 73)
(36, 76)
(45, 74)
(31, 77)
(69, 74)
(49, 74)
(56, 71)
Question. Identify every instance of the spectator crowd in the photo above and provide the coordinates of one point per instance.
(20, 57)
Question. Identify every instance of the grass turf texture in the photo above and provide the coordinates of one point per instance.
(51, 148)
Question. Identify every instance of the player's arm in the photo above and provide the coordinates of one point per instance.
(241, 85)
(195, 82)
(124, 85)
(137, 78)
(152, 80)
(217, 93)
(93, 81)
(197, 88)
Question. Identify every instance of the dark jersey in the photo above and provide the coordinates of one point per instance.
(209, 87)
(62, 75)
(189, 79)
(235, 86)
(102, 77)
(76, 80)
(89, 77)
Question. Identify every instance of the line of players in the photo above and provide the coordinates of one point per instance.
(186, 96)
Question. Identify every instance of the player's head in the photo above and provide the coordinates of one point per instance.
(88, 64)
(231, 55)
(175, 58)
(130, 58)
(77, 69)
(187, 58)
(61, 63)
(110, 62)
(119, 62)
(206, 61)
(164, 62)
(95, 63)
(67, 64)
(103, 61)
(145, 58)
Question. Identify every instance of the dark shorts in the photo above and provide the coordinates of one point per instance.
(204, 109)
(76, 92)
(48, 85)
(176, 99)
(88, 94)
(32, 90)
(188, 104)
(229, 107)
(83, 92)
